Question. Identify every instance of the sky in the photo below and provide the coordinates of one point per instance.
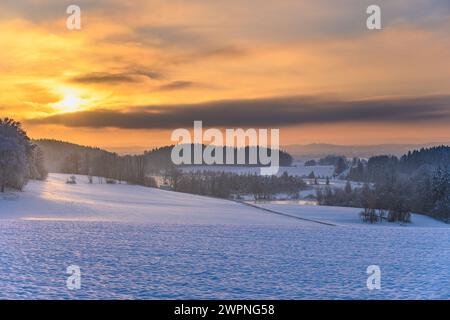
(139, 69)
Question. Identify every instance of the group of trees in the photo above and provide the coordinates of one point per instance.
(20, 159)
(70, 158)
(376, 169)
(436, 157)
(417, 182)
(380, 202)
(136, 169)
(159, 158)
(385, 168)
(227, 185)
(440, 194)
(129, 168)
(156, 160)
(74, 159)
(340, 163)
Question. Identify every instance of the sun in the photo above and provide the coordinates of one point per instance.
(71, 101)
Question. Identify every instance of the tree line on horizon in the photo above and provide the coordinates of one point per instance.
(62, 157)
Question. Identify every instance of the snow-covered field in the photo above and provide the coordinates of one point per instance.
(136, 242)
(341, 216)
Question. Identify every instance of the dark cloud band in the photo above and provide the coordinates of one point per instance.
(177, 85)
(271, 112)
(115, 78)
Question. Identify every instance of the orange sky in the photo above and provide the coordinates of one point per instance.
(172, 53)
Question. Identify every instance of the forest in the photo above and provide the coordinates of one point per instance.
(419, 181)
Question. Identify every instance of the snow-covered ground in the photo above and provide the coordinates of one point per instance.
(54, 200)
(341, 216)
(135, 242)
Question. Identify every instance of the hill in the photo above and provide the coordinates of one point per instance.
(57, 157)
(56, 152)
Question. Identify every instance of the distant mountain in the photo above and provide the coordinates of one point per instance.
(313, 151)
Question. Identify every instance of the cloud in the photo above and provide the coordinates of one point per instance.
(270, 112)
(43, 10)
(177, 85)
(224, 53)
(171, 35)
(114, 78)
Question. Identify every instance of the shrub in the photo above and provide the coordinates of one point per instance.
(71, 180)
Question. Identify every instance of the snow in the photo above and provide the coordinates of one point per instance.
(57, 201)
(139, 243)
(345, 216)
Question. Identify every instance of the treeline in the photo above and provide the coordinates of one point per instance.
(417, 182)
(379, 202)
(130, 169)
(340, 163)
(435, 157)
(20, 159)
(56, 152)
(159, 158)
(64, 157)
(70, 158)
(228, 185)
(385, 168)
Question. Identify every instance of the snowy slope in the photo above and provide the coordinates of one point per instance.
(134, 242)
(56, 200)
(347, 216)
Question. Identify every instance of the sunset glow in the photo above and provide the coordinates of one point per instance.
(71, 102)
(166, 54)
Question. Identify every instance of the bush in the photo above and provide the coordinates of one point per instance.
(370, 216)
(399, 216)
(71, 180)
(399, 211)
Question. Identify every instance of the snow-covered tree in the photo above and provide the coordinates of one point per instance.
(14, 146)
(441, 193)
(37, 169)
(19, 158)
